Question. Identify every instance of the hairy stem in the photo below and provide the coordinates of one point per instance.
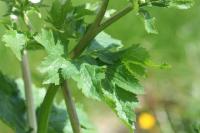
(71, 108)
(90, 34)
(45, 109)
(28, 93)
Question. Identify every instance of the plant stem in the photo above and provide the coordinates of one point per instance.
(28, 92)
(115, 17)
(45, 109)
(71, 108)
(90, 34)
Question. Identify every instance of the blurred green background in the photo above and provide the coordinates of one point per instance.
(172, 96)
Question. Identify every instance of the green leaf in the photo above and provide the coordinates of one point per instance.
(12, 105)
(181, 4)
(104, 41)
(89, 79)
(15, 41)
(34, 20)
(46, 39)
(121, 102)
(119, 86)
(67, 20)
(149, 22)
(58, 119)
(59, 11)
(69, 70)
(125, 80)
(51, 66)
(54, 61)
(136, 54)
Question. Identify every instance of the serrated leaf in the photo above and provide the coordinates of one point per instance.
(46, 39)
(51, 66)
(121, 102)
(149, 22)
(69, 70)
(59, 11)
(119, 87)
(89, 80)
(134, 58)
(54, 61)
(125, 80)
(136, 54)
(15, 41)
(12, 105)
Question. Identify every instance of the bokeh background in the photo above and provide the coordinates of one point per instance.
(171, 103)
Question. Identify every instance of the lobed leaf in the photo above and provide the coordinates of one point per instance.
(15, 41)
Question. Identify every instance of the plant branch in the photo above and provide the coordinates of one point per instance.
(45, 109)
(28, 92)
(71, 108)
(115, 17)
(84, 41)
(97, 27)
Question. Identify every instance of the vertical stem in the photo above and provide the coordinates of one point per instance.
(28, 92)
(45, 109)
(71, 108)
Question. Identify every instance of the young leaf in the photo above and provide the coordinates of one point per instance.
(149, 22)
(15, 41)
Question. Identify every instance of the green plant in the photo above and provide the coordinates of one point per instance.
(103, 68)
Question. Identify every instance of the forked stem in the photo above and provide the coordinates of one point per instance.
(90, 34)
(28, 93)
(97, 27)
